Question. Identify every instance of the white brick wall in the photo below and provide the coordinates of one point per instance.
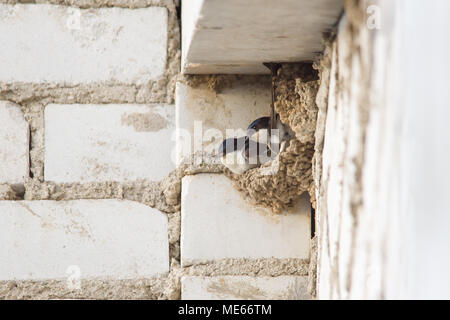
(244, 288)
(53, 55)
(85, 143)
(218, 223)
(49, 43)
(14, 144)
(104, 238)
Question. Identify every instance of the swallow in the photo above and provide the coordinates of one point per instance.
(258, 130)
(242, 154)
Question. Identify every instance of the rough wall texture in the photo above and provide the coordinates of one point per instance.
(359, 251)
(343, 126)
(382, 197)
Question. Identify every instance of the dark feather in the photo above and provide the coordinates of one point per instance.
(260, 123)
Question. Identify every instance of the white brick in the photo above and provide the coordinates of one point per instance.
(104, 238)
(244, 288)
(86, 143)
(45, 43)
(218, 223)
(233, 108)
(14, 144)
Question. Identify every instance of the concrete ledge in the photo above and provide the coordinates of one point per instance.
(236, 36)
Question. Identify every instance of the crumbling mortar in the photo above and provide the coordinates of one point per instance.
(218, 83)
(166, 286)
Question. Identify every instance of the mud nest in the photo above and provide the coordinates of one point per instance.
(296, 87)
